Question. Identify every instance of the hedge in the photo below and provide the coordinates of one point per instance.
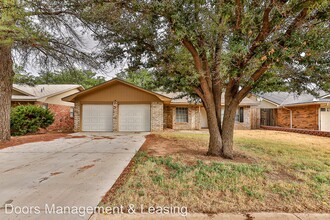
(26, 119)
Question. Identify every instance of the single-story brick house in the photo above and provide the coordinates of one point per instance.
(117, 105)
(50, 97)
(291, 110)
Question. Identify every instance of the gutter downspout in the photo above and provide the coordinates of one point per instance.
(290, 115)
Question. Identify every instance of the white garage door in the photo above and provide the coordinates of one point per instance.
(325, 119)
(134, 117)
(97, 117)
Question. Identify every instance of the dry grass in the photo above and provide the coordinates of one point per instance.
(272, 171)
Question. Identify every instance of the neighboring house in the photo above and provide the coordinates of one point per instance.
(117, 105)
(290, 110)
(50, 97)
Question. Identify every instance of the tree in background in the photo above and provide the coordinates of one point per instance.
(41, 32)
(142, 78)
(212, 47)
(86, 78)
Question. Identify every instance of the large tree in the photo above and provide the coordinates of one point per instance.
(211, 47)
(39, 32)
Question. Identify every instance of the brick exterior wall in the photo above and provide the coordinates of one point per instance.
(168, 116)
(115, 116)
(295, 130)
(77, 108)
(197, 118)
(303, 117)
(246, 124)
(63, 122)
(193, 118)
(157, 114)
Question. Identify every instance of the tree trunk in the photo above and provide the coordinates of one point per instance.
(228, 130)
(6, 84)
(215, 142)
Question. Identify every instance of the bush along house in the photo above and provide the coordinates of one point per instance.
(49, 97)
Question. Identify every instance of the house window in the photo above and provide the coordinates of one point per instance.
(71, 112)
(240, 115)
(181, 115)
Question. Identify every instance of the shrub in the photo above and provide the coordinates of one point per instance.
(29, 118)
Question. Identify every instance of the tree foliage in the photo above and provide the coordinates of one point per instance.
(86, 78)
(42, 33)
(210, 47)
(271, 33)
(142, 78)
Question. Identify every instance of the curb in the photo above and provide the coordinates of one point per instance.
(222, 216)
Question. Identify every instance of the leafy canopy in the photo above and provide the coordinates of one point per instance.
(142, 78)
(44, 33)
(240, 45)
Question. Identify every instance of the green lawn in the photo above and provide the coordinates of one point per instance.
(273, 171)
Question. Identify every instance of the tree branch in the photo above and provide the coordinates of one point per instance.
(191, 48)
(205, 63)
(198, 64)
(263, 34)
(297, 22)
(200, 94)
(238, 12)
(255, 77)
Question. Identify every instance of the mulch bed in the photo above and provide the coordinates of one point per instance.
(32, 138)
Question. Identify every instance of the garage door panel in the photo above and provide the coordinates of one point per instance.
(134, 117)
(97, 117)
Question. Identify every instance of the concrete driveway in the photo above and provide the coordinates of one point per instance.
(73, 172)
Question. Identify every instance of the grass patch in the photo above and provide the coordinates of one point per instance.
(276, 171)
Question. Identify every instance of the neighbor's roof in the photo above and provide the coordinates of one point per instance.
(287, 99)
(33, 93)
(23, 98)
(178, 98)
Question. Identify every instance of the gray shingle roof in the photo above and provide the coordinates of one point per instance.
(40, 91)
(285, 98)
(177, 98)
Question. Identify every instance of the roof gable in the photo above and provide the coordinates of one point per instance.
(118, 90)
